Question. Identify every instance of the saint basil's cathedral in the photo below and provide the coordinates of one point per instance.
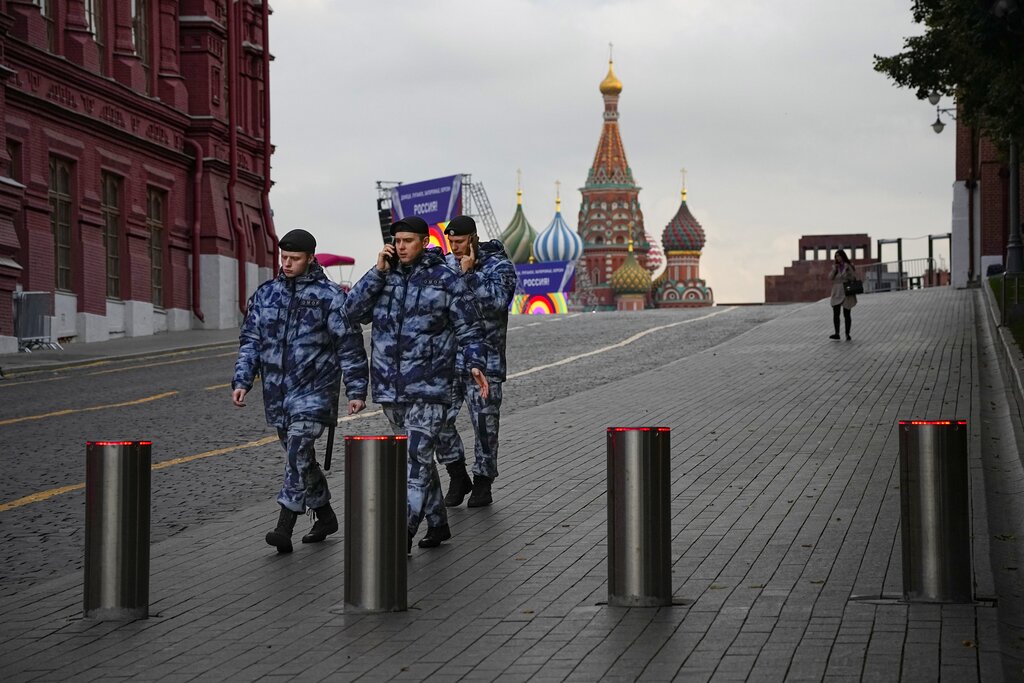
(618, 263)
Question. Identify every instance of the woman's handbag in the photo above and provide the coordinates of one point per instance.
(853, 287)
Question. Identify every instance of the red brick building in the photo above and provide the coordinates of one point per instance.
(610, 218)
(806, 279)
(134, 180)
(981, 222)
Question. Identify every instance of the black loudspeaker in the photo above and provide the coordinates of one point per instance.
(384, 218)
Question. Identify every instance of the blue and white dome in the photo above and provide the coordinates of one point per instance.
(558, 242)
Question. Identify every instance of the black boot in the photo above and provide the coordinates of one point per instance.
(481, 495)
(459, 486)
(326, 523)
(435, 534)
(281, 537)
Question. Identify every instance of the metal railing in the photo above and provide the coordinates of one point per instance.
(893, 276)
(1009, 306)
(33, 321)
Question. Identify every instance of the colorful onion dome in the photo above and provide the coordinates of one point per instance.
(683, 232)
(558, 242)
(611, 85)
(655, 255)
(519, 235)
(631, 277)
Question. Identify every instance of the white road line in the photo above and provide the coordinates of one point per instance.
(619, 345)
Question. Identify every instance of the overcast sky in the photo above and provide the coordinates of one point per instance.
(772, 107)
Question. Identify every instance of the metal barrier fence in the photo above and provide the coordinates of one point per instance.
(1009, 304)
(33, 321)
(893, 276)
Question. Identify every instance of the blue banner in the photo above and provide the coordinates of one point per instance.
(546, 278)
(435, 201)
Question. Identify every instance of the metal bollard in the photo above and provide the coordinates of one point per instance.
(117, 487)
(935, 511)
(376, 531)
(639, 520)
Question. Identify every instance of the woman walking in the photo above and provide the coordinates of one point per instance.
(842, 271)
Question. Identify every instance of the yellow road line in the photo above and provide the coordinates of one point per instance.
(209, 454)
(42, 495)
(226, 386)
(99, 363)
(166, 362)
(69, 411)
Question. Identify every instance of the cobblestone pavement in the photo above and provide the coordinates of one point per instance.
(785, 533)
(45, 539)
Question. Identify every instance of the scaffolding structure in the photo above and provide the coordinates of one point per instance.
(475, 204)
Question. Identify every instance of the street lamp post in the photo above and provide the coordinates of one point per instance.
(1014, 245)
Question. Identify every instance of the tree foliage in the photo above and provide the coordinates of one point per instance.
(972, 50)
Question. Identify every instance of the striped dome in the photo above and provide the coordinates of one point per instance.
(655, 256)
(631, 277)
(683, 232)
(558, 242)
(519, 236)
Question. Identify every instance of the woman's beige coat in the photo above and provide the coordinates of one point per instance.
(838, 278)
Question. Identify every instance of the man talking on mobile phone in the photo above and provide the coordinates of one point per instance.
(422, 314)
(491, 277)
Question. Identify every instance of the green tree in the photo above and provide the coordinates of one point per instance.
(972, 50)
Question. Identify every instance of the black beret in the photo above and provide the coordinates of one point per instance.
(297, 240)
(411, 224)
(461, 225)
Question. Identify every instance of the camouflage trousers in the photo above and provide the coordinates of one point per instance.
(304, 483)
(484, 415)
(421, 422)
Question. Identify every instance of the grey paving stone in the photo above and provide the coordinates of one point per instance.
(785, 503)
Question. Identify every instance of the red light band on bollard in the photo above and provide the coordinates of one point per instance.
(375, 438)
(639, 429)
(118, 443)
(933, 422)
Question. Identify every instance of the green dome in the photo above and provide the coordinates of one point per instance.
(518, 236)
(631, 277)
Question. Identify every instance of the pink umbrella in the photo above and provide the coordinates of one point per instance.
(326, 260)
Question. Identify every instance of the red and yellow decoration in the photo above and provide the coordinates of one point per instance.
(539, 304)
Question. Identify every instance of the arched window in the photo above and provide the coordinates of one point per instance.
(140, 35)
(110, 207)
(155, 201)
(60, 221)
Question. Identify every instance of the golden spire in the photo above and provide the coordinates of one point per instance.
(558, 196)
(684, 184)
(519, 187)
(610, 85)
(630, 242)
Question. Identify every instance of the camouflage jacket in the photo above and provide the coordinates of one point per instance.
(421, 314)
(492, 281)
(298, 336)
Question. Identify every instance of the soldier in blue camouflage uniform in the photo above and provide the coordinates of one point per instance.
(491, 277)
(297, 334)
(422, 313)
